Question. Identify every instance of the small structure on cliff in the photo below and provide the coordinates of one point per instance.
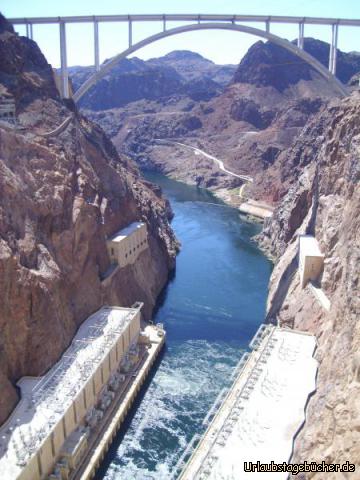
(311, 260)
(125, 246)
(7, 109)
(59, 416)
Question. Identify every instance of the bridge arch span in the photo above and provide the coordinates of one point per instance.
(324, 72)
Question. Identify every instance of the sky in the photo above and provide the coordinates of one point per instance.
(219, 46)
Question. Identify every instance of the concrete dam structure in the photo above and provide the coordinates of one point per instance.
(66, 420)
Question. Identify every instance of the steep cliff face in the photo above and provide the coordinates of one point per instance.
(324, 200)
(60, 197)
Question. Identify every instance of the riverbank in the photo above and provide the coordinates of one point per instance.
(253, 209)
(234, 197)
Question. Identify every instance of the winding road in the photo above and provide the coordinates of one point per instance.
(220, 163)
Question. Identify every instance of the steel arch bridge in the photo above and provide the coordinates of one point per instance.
(197, 22)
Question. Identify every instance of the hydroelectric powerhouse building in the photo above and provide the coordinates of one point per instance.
(126, 245)
(65, 420)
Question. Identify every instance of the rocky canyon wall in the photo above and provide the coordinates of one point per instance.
(324, 201)
(60, 197)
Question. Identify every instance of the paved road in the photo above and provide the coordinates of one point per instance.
(220, 163)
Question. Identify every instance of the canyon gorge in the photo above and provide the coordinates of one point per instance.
(271, 117)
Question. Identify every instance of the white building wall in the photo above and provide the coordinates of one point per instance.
(311, 260)
(69, 420)
(31, 472)
(113, 361)
(97, 381)
(80, 407)
(58, 437)
(120, 348)
(135, 328)
(89, 394)
(124, 250)
(46, 458)
(105, 369)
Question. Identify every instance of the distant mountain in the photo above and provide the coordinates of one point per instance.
(192, 66)
(250, 124)
(267, 64)
(181, 73)
(129, 81)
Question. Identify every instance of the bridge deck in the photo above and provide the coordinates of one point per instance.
(187, 18)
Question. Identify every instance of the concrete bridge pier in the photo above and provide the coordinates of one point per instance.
(29, 30)
(96, 46)
(333, 48)
(130, 33)
(300, 42)
(63, 58)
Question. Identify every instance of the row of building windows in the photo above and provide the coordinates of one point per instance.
(143, 242)
(135, 248)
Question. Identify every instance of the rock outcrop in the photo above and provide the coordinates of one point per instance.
(269, 64)
(324, 200)
(60, 197)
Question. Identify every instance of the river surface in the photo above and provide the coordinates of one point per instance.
(211, 309)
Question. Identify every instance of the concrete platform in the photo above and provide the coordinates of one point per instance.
(256, 209)
(262, 412)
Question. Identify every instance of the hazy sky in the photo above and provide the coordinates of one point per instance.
(219, 46)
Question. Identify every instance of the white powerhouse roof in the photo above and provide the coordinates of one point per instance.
(309, 246)
(44, 400)
(262, 413)
(125, 232)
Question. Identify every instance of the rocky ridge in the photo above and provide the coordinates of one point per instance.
(324, 200)
(60, 197)
(177, 74)
(250, 125)
(192, 66)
